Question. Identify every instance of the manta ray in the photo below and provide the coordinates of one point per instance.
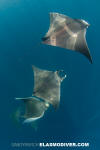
(46, 92)
(67, 33)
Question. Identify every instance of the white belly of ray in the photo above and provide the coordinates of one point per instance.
(30, 120)
(68, 30)
(53, 40)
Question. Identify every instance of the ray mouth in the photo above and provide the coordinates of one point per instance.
(61, 74)
(45, 38)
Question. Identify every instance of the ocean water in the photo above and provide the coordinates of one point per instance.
(22, 25)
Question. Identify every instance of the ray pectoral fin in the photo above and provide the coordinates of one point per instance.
(81, 45)
(17, 98)
(29, 120)
(32, 119)
(52, 17)
(24, 99)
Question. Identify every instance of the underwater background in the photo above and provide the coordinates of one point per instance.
(22, 25)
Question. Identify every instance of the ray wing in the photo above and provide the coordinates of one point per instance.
(67, 33)
(81, 45)
(34, 108)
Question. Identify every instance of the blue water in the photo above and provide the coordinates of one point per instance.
(22, 24)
